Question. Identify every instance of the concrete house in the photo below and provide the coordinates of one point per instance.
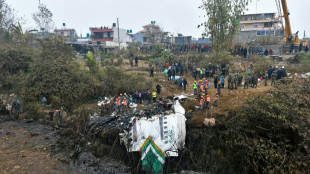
(256, 25)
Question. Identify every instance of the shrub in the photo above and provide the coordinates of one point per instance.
(261, 64)
(116, 81)
(57, 77)
(34, 111)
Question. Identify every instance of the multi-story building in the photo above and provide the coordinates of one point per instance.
(256, 25)
(179, 40)
(103, 34)
(150, 34)
(66, 32)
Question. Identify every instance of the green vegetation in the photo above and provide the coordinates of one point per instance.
(222, 24)
(270, 134)
(50, 71)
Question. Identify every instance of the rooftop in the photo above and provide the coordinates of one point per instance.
(100, 29)
(257, 14)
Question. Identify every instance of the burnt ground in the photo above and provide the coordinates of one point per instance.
(31, 147)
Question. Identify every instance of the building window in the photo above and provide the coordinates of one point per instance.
(258, 33)
(98, 35)
(111, 35)
(255, 25)
(268, 16)
(267, 24)
(263, 33)
(272, 32)
(62, 33)
(267, 32)
(105, 35)
(242, 26)
(252, 17)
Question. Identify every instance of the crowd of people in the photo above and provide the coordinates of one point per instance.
(123, 101)
(179, 48)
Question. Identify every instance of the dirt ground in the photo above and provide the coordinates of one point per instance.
(25, 148)
(31, 147)
(230, 99)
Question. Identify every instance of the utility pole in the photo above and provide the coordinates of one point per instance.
(256, 6)
(119, 44)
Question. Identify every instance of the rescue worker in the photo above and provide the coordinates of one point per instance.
(208, 99)
(154, 96)
(195, 88)
(200, 73)
(119, 103)
(201, 87)
(201, 103)
(125, 103)
(216, 99)
(206, 87)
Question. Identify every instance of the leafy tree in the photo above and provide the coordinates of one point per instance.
(91, 62)
(56, 76)
(223, 22)
(43, 18)
(14, 63)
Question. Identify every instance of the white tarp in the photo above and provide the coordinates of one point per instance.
(167, 131)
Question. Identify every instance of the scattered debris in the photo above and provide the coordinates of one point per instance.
(209, 122)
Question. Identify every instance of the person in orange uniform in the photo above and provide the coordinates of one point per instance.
(208, 99)
(119, 103)
(201, 103)
(206, 86)
(125, 103)
(201, 88)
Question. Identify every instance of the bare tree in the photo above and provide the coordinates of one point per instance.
(7, 16)
(43, 18)
(155, 35)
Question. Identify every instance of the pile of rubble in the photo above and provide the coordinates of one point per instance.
(165, 123)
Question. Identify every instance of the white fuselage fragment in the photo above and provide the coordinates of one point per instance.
(167, 131)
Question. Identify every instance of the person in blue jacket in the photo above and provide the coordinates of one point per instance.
(222, 81)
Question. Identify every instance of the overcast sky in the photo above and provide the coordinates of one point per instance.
(175, 16)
